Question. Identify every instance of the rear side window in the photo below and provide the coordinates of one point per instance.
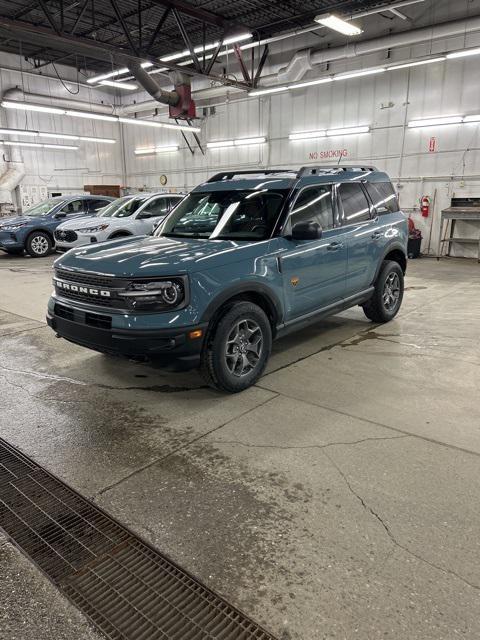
(383, 197)
(314, 204)
(354, 202)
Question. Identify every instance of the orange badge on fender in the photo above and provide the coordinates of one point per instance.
(294, 281)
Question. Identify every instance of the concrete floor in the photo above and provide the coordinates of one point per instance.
(337, 499)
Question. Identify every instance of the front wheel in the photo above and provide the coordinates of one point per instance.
(237, 350)
(388, 295)
(39, 244)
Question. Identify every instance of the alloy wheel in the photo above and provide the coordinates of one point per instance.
(244, 347)
(39, 245)
(391, 292)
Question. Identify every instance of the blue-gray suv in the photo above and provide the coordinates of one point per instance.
(245, 258)
(33, 231)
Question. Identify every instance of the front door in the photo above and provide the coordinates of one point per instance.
(150, 214)
(314, 270)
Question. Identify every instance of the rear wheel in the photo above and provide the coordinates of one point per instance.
(388, 295)
(39, 244)
(237, 350)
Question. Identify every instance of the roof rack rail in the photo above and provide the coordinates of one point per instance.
(313, 171)
(228, 175)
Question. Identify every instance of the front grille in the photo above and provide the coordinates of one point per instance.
(129, 589)
(88, 278)
(66, 236)
(89, 299)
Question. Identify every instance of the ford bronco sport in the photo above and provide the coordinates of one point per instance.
(243, 259)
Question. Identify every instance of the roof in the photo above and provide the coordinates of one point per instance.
(286, 179)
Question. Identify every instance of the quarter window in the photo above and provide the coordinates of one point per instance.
(314, 204)
(383, 197)
(354, 202)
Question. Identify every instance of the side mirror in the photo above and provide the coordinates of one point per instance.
(306, 231)
(60, 214)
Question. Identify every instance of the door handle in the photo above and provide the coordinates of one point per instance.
(376, 235)
(334, 246)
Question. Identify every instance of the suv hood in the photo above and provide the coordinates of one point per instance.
(151, 256)
(6, 222)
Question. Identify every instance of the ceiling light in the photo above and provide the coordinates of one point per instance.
(129, 86)
(464, 53)
(90, 115)
(93, 139)
(220, 143)
(475, 118)
(63, 136)
(116, 72)
(239, 38)
(348, 131)
(310, 83)
(358, 74)
(431, 122)
(24, 106)
(99, 116)
(304, 135)
(243, 141)
(416, 64)
(18, 132)
(261, 92)
(152, 150)
(337, 24)
(37, 145)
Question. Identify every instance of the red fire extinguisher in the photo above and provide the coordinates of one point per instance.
(425, 206)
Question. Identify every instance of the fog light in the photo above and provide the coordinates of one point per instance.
(195, 334)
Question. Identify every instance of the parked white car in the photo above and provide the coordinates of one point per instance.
(128, 216)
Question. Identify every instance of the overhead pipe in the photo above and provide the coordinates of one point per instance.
(9, 181)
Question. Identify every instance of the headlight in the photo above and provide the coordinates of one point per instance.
(156, 294)
(99, 227)
(11, 227)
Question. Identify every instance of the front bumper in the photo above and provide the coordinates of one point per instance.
(10, 240)
(82, 240)
(94, 331)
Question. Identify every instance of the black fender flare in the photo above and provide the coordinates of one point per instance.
(245, 288)
(395, 246)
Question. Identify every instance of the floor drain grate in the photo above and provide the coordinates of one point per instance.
(127, 588)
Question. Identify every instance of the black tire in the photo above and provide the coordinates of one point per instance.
(39, 244)
(387, 298)
(15, 252)
(223, 359)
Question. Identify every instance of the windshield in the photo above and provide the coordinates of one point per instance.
(43, 208)
(227, 215)
(122, 207)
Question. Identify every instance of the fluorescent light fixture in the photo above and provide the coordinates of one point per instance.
(220, 143)
(162, 149)
(62, 136)
(419, 63)
(432, 122)
(18, 132)
(307, 135)
(99, 116)
(239, 38)
(348, 131)
(475, 118)
(62, 147)
(464, 53)
(129, 86)
(262, 92)
(310, 83)
(24, 106)
(337, 24)
(359, 74)
(244, 141)
(90, 115)
(115, 73)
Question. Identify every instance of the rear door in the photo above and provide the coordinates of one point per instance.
(314, 270)
(360, 227)
(386, 211)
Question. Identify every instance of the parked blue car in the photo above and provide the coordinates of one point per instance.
(245, 258)
(33, 230)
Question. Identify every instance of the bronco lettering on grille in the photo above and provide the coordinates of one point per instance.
(77, 288)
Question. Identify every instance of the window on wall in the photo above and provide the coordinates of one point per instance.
(314, 204)
(354, 202)
(383, 197)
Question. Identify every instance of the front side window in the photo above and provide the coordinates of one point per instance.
(383, 197)
(122, 207)
(74, 207)
(314, 204)
(43, 208)
(95, 205)
(354, 202)
(155, 208)
(227, 215)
